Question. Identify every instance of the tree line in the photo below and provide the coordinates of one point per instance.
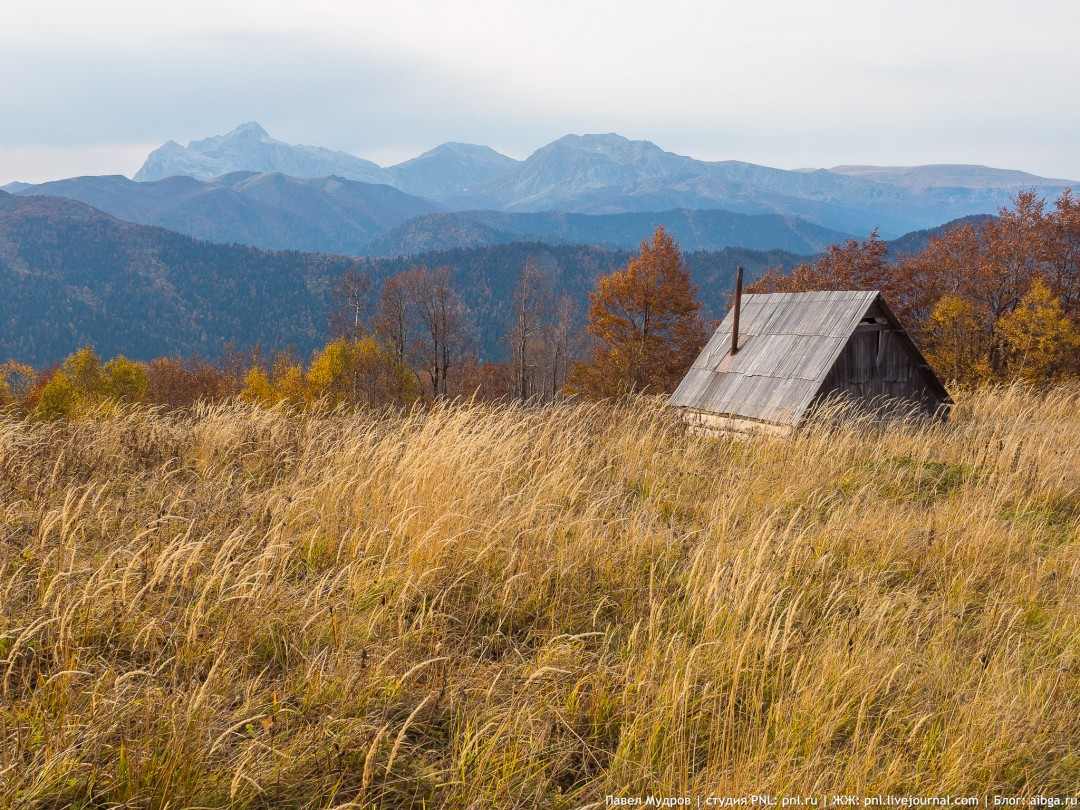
(414, 340)
(988, 301)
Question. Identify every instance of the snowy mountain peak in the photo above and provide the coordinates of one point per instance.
(250, 148)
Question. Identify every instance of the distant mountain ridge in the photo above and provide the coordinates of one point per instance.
(267, 210)
(949, 175)
(450, 171)
(250, 148)
(606, 174)
(334, 215)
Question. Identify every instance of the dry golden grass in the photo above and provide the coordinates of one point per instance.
(490, 607)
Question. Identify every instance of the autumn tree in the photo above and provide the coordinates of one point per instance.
(443, 320)
(487, 382)
(646, 323)
(532, 307)
(952, 340)
(258, 388)
(82, 383)
(850, 265)
(360, 372)
(125, 380)
(1062, 271)
(354, 297)
(560, 342)
(1014, 249)
(1039, 342)
(57, 398)
(965, 286)
(17, 380)
(177, 382)
(393, 320)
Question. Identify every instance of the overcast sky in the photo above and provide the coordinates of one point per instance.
(91, 88)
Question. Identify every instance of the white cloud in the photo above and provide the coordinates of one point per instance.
(783, 82)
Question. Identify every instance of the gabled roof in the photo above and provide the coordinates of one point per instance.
(788, 342)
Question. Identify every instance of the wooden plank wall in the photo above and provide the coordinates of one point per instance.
(874, 364)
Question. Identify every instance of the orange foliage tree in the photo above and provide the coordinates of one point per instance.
(646, 322)
(853, 265)
(178, 382)
(1063, 253)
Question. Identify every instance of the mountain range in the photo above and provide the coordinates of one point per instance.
(445, 172)
(275, 211)
(248, 188)
(609, 174)
(267, 210)
(113, 262)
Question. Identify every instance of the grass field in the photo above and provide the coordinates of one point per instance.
(496, 607)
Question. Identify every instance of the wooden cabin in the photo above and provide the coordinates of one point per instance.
(775, 356)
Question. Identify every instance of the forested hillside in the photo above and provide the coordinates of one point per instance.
(75, 276)
(694, 229)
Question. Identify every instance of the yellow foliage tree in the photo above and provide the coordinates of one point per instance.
(289, 382)
(83, 383)
(87, 375)
(328, 376)
(125, 380)
(954, 340)
(344, 372)
(257, 388)
(58, 398)
(360, 372)
(1039, 341)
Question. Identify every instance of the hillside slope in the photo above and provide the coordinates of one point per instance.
(72, 275)
(694, 230)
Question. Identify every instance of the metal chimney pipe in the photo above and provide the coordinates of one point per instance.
(738, 306)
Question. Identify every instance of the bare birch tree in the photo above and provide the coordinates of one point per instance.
(353, 294)
(443, 324)
(532, 309)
